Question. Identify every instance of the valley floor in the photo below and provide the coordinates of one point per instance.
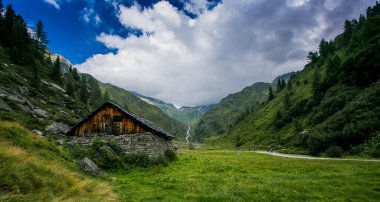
(227, 176)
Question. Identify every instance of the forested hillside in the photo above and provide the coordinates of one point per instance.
(232, 109)
(220, 117)
(332, 106)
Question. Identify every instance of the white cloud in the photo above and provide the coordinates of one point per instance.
(53, 3)
(199, 61)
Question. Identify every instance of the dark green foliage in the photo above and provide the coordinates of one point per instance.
(170, 155)
(83, 91)
(350, 126)
(238, 142)
(334, 151)
(312, 57)
(96, 96)
(287, 100)
(325, 48)
(37, 69)
(41, 36)
(338, 107)
(371, 147)
(9, 23)
(280, 85)
(270, 95)
(139, 159)
(56, 74)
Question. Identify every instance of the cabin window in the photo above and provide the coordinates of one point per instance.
(118, 119)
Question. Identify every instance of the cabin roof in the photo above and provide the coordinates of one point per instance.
(153, 128)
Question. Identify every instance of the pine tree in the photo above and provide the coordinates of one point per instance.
(83, 91)
(70, 89)
(312, 57)
(76, 74)
(279, 88)
(56, 74)
(290, 85)
(283, 84)
(271, 95)
(348, 30)
(1, 22)
(9, 22)
(41, 37)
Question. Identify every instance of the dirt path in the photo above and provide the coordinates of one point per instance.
(312, 157)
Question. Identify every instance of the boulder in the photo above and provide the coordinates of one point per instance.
(89, 166)
(3, 93)
(58, 128)
(38, 132)
(24, 108)
(4, 106)
(16, 98)
(41, 113)
(108, 151)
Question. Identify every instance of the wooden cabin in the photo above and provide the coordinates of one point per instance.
(111, 119)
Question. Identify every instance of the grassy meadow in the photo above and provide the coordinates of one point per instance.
(34, 169)
(226, 176)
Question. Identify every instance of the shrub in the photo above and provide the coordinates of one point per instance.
(170, 155)
(75, 151)
(161, 161)
(334, 151)
(139, 159)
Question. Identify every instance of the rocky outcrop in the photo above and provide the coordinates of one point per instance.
(41, 113)
(4, 106)
(89, 166)
(21, 102)
(58, 128)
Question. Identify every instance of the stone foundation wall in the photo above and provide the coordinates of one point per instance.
(148, 143)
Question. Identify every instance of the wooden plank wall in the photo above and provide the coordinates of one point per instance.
(98, 123)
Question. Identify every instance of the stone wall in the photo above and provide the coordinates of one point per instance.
(148, 143)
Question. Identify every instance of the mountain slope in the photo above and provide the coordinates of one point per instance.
(332, 106)
(186, 115)
(224, 114)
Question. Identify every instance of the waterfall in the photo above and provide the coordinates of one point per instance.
(188, 134)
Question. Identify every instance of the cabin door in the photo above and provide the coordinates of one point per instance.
(117, 128)
(107, 125)
(117, 125)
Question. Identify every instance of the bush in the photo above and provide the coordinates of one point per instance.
(170, 155)
(139, 159)
(75, 151)
(161, 161)
(334, 151)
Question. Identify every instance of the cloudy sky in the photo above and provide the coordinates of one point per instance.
(189, 52)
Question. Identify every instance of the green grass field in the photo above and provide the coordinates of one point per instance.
(226, 176)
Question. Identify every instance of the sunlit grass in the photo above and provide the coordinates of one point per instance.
(33, 169)
(226, 176)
